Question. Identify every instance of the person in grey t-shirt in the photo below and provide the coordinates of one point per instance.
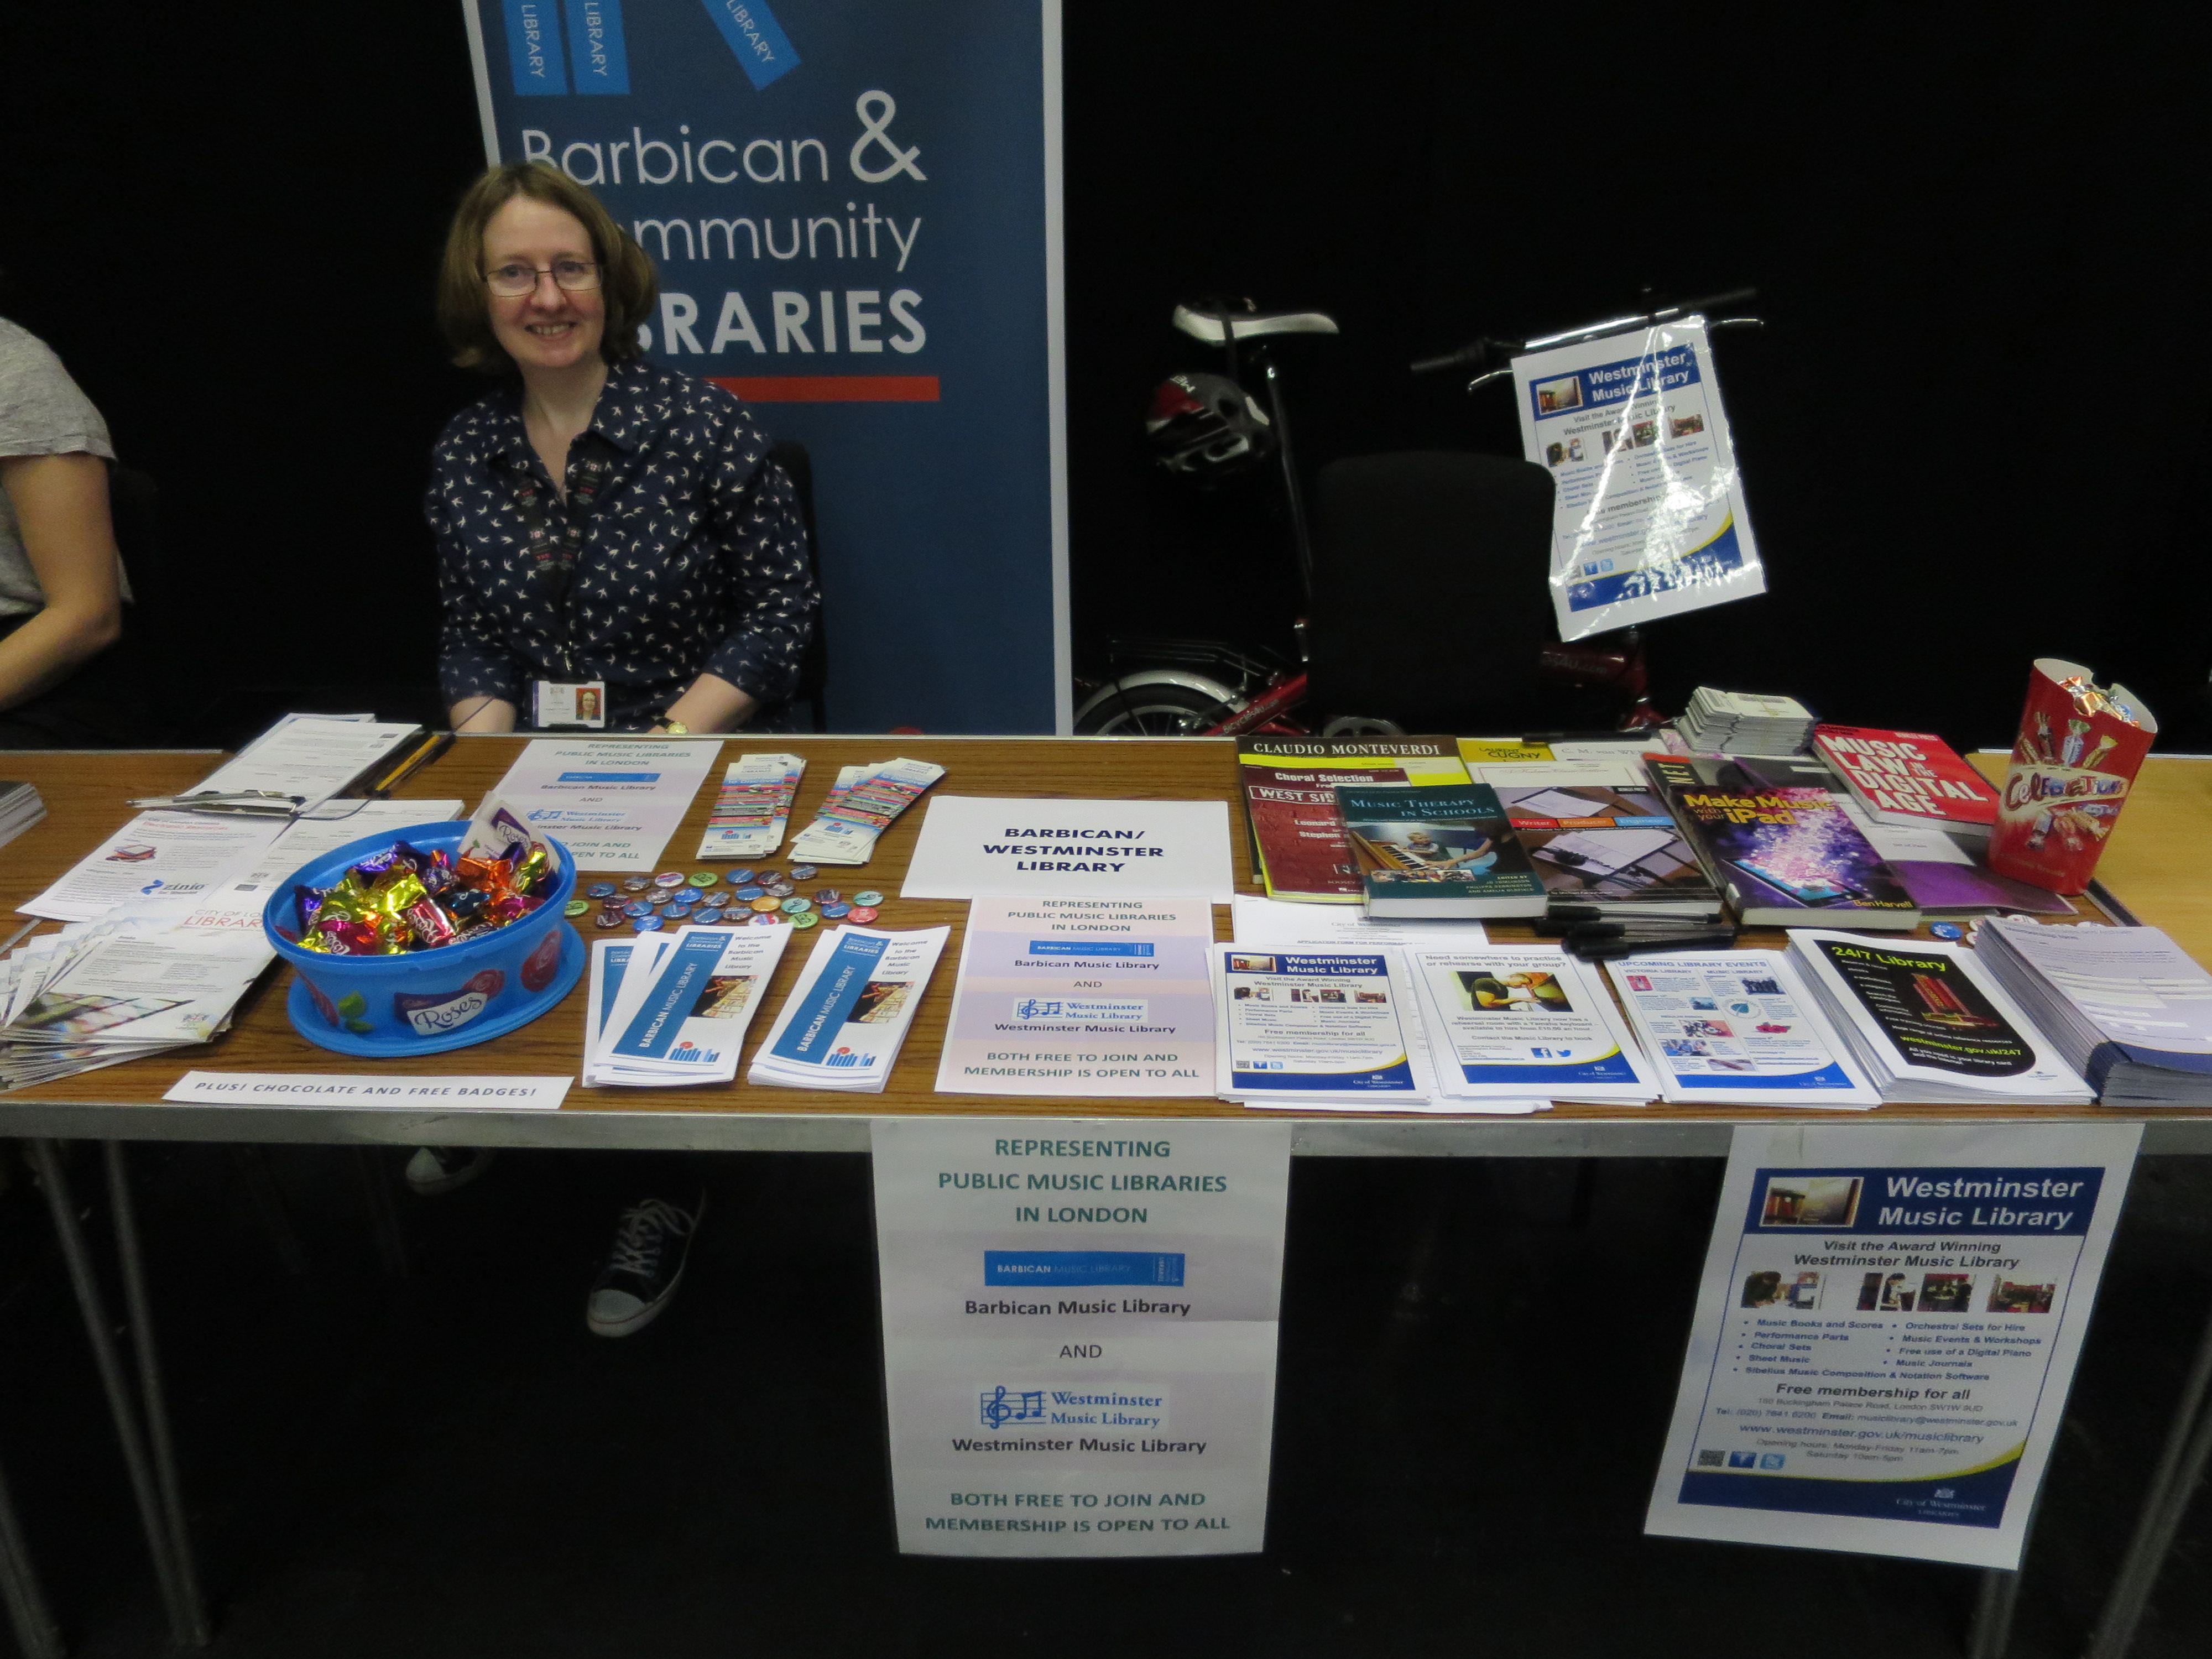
(61, 579)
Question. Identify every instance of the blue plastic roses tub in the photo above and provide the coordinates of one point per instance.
(424, 1002)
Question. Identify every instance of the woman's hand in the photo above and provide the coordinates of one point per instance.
(61, 506)
(712, 704)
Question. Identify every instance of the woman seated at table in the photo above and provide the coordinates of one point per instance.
(600, 521)
(61, 581)
(613, 542)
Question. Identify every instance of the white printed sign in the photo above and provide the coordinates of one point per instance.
(971, 846)
(1886, 1332)
(1080, 1327)
(542, 1094)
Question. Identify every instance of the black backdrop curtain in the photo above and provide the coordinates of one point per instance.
(1969, 435)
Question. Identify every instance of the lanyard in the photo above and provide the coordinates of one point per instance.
(552, 544)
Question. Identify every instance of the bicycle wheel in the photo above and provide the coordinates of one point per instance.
(1152, 711)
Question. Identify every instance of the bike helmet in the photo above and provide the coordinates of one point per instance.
(1207, 427)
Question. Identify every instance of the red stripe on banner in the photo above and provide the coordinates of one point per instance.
(831, 388)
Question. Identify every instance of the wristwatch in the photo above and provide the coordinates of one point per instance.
(674, 728)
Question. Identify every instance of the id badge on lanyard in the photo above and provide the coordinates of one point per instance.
(581, 703)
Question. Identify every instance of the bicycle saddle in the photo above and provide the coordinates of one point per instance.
(1213, 327)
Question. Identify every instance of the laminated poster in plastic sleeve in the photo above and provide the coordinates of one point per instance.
(1648, 517)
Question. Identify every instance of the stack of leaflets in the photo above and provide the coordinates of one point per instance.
(674, 1010)
(101, 992)
(165, 967)
(1928, 1023)
(1512, 1022)
(753, 807)
(2127, 1006)
(1328, 1029)
(20, 806)
(1744, 723)
(860, 807)
(1736, 1027)
(842, 1024)
(1910, 780)
(1598, 834)
(1438, 852)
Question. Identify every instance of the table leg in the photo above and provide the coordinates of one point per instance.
(383, 1213)
(36, 1635)
(153, 1398)
(1991, 1631)
(46, 1157)
(2173, 1484)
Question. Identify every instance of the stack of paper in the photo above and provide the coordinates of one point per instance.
(20, 806)
(1736, 1027)
(1745, 723)
(1280, 924)
(750, 814)
(860, 807)
(97, 994)
(674, 1010)
(308, 757)
(2127, 1006)
(156, 855)
(1515, 1024)
(1327, 1028)
(165, 967)
(1926, 1022)
(843, 1022)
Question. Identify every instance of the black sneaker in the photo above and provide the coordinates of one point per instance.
(436, 1169)
(651, 1243)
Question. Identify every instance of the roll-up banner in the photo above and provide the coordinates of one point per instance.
(856, 213)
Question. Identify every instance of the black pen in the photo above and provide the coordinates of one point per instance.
(418, 757)
(1584, 916)
(1599, 949)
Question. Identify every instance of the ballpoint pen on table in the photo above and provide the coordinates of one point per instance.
(413, 761)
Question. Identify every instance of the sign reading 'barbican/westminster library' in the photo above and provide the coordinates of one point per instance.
(855, 209)
(1079, 1323)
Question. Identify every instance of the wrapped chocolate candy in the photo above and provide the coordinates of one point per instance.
(412, 898)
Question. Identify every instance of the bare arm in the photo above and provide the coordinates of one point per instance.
(61, 504)
(482, 714)
(712, 704)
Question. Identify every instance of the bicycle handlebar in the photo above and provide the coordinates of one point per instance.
(1487, 353)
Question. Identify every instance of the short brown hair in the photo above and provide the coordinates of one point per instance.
(627, 281)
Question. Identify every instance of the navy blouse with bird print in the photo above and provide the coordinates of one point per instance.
(679, 550)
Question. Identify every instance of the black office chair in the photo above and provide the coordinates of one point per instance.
(814, 664)
(1431, 607)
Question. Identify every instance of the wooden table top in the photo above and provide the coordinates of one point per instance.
(2152, 866)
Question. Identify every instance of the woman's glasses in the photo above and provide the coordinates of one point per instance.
(513, 281)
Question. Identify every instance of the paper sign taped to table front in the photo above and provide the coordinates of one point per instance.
(389, 1089)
